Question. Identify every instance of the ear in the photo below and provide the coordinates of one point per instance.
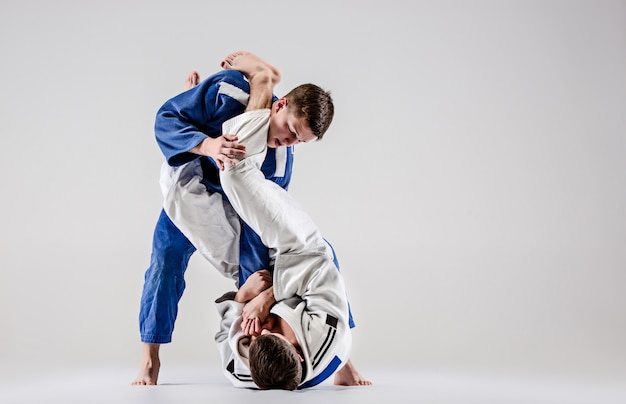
(280, 104)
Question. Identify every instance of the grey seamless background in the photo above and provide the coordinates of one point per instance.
(472, 183)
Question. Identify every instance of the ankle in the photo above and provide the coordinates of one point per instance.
(263, 76)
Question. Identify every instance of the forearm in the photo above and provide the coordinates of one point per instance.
(242, 296)
(268, 296)
(245, 295)
(254, 286)
(260, 306)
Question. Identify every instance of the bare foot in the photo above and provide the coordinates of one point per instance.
(349, 376)
(149, 372)
(249, 64)
(192, 80)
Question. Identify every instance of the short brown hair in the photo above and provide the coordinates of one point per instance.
(274, 363)
(314, 104)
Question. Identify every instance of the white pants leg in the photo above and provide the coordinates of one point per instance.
(209, 222)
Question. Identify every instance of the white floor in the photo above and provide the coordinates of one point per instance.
(201, 385)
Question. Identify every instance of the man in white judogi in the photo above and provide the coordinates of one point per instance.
(311, 302)
(308, 288)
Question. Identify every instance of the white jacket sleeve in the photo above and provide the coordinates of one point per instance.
(314, 278)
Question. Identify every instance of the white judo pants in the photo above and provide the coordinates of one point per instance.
(206, 219)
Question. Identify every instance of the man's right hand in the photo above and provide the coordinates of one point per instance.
(221, 149)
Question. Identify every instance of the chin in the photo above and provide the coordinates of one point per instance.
(271, 143)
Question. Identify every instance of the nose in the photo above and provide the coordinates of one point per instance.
(290, 140)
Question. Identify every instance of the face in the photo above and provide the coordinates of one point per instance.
(285, 128)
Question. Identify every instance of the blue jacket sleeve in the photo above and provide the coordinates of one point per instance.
(185, 120)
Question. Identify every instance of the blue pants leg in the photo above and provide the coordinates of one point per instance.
(253, 255)
(164, 282)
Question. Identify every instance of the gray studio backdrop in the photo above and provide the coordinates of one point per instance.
(473, 182)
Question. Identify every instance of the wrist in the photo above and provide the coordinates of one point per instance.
(202, 147)
(269, 295)
(241, 296)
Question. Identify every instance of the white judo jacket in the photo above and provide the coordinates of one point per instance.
(308, 288)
